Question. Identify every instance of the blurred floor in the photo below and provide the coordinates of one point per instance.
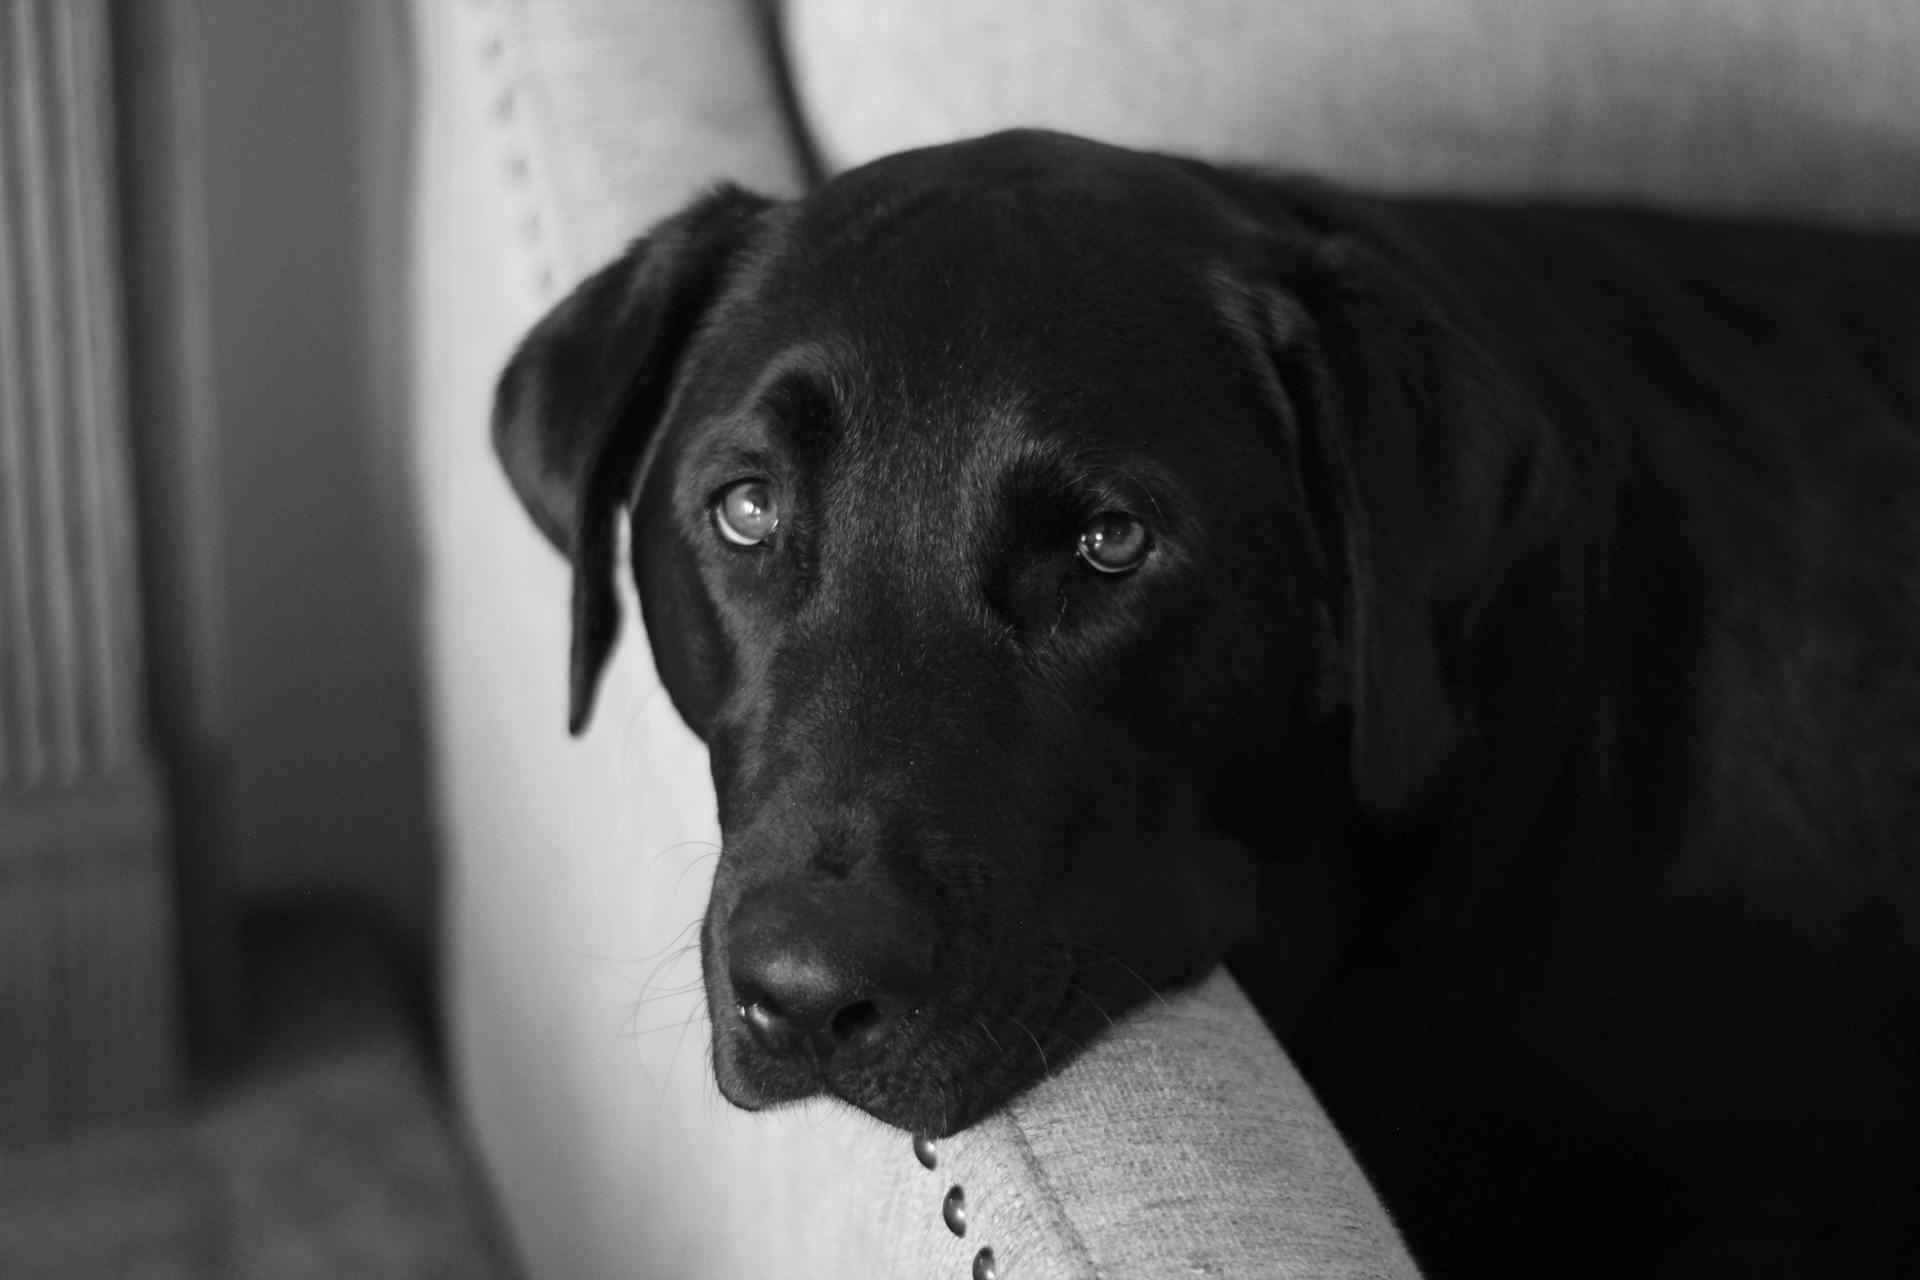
(328, 1152)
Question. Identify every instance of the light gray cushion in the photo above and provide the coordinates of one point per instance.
(1184, 1144)
(1788, 106)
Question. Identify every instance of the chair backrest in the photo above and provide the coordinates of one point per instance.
(1749, 106)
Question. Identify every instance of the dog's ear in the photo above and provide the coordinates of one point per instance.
(578, 402)
(1435, 481)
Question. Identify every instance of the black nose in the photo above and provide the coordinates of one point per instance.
(831, 967)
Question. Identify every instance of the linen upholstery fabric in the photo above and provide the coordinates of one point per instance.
(1183, 1144)
(549, 134)
(1750, 106)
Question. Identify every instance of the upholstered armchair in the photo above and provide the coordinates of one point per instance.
(551, 131)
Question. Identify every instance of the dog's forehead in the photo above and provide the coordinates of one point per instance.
(1020, 286)
(1028, 221)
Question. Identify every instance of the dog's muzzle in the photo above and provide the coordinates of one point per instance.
(825, 970)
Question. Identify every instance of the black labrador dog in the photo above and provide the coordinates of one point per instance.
(1494, 630)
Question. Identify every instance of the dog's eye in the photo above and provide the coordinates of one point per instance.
(746, 513)
(1114, 543)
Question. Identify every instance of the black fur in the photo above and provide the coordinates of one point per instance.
(1522, 690)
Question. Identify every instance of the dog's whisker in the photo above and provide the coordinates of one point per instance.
(680, 1043)
(638, 1033)
(1093, 1002)
(668, 993)
(680, 952)
(1046, 1067)
(1124, 967)
(988, 1033)
(678, 845)
(665, 997)
(651, 955)
(681, 879)
(651, 988)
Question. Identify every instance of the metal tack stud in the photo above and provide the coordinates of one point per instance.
(923, 1150)
(955, 1211)
(983, 1268)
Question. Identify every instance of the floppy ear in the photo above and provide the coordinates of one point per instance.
(1436, 479)
(579, 401)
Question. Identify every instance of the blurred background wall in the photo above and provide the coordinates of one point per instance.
(305, 136)
(209, 693)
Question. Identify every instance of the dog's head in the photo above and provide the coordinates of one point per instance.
(1034, 531)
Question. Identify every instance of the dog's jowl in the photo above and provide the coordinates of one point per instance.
(1494, 630)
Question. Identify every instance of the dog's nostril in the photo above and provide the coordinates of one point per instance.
(761, 1015)
(859, 1023)
(771, 1028)
(856, 1020)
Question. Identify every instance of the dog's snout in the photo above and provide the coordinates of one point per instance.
(828, 968)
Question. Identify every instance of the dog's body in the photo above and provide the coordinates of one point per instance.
(1496, 629)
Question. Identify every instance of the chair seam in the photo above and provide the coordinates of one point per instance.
(1063, 1225)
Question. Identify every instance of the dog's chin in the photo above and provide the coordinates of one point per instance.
(941, 1072)
(921, 1102)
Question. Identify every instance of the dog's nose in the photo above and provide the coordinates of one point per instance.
(831, 967)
